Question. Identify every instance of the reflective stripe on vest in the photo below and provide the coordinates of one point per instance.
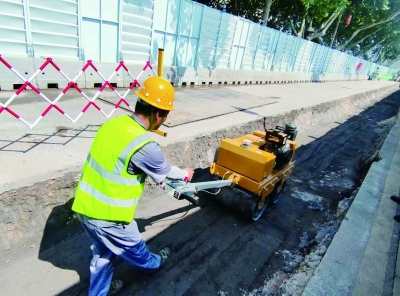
(120, 165)
(113, 177)
(105, 199)
(106, 190)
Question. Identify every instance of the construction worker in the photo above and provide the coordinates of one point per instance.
(113, 178)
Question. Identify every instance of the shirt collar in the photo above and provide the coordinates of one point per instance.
(134, 117)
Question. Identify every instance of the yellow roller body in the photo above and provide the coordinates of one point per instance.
(251, 168)
(250, 162)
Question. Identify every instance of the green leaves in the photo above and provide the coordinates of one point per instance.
(373, 32)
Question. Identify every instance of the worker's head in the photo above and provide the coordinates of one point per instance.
(155, 100)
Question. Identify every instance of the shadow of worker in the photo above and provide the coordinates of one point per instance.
(65, 245)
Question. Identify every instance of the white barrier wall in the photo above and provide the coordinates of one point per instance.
(200, 43)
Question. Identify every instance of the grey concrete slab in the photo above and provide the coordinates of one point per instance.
(206, 104)
(356, 260)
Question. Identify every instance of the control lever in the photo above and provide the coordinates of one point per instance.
(186, 190)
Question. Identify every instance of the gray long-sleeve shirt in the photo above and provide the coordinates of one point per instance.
(151, 160)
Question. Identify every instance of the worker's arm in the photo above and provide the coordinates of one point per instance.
(151, 160)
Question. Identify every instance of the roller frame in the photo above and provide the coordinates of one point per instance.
(186, 190)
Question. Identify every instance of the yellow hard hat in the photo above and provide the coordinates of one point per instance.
(157, 92)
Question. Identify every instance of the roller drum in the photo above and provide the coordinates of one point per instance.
(242, 201)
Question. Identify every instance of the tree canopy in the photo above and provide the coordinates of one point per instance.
(373, 32)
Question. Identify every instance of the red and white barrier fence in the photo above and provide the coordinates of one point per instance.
(71, 83)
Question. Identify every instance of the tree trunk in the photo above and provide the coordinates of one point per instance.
(334, 34)
(363, 38)
(267, 8)
(293, 28)
(321, 31)
(368, 27)
(302, 28)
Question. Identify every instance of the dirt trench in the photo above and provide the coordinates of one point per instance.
(339, 141)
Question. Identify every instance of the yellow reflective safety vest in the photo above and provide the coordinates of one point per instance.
(106, 191)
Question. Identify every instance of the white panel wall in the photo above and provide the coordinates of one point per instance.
(226, 34)
(91, 39)
(137, 23)
(13, 39)
(54, 28)
(100, 30)
(340, 63)
(90, 9)
(110, 11)
(191, 34)
(327, 60)
(265, 49)
(239, 43)
(209, 37)
(303, 56)
(317, 58)
(109, 50)
(252, 40)
(178, 30)
(285, 52)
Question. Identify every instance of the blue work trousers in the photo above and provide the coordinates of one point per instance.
(110, 240)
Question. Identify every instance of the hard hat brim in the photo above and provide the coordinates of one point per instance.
(144, 98)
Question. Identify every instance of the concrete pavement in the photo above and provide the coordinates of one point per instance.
(56, 147)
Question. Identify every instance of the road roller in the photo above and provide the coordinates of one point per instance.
(249, 172)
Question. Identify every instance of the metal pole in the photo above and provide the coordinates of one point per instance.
(160, 61)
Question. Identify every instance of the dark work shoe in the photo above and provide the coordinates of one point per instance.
(395, 198)
(397, 218)
(115, 287)
(164, 254)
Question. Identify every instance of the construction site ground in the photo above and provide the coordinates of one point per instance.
(343, 128)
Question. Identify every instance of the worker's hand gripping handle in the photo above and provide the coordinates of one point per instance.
(187, 190)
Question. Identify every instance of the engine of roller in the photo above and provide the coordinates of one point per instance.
(259, 165)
